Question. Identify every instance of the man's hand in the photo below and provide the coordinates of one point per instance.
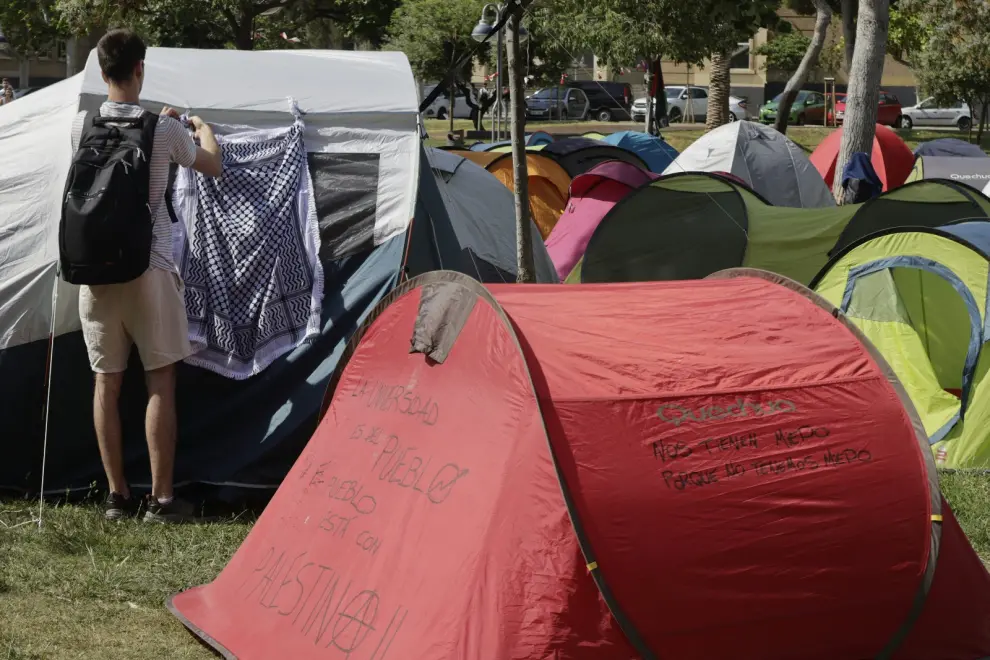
(170, 112)
(208, 160)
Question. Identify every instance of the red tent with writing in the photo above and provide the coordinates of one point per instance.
(891, 157)
(719, 468)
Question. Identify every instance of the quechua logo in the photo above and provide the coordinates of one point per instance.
(677, 414)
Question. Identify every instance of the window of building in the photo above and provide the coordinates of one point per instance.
(741, 56)
(62, 51)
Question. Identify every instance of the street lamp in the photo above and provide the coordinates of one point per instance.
(482, 31)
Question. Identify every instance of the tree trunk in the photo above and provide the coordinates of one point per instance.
(525, 271)
(863, 95)
(719, 87)
(244, 35)
(849, 11)
(823, 17)
(983, 124)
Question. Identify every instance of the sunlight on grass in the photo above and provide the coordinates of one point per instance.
(100, 585)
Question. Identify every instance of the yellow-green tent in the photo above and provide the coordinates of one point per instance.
(920, 295)
(690, 225)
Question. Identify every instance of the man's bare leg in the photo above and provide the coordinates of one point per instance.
(106, 417)
(160, 427)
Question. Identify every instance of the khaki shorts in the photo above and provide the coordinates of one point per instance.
(148, 312)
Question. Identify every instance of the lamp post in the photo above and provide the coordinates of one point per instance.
(481, 31)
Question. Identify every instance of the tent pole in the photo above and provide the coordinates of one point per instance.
(48, 398)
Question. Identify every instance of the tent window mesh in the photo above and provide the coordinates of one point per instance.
(345, 188)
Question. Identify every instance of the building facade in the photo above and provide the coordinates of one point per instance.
(64, 60)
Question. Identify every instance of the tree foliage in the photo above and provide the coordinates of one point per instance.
(621, 32)
(954, 62)
(244, 24)
(434, 34)
(30, 26)
(784, 52)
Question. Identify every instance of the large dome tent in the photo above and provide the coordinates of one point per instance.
(388, 221)
(687, 226)
(592, 195)
(920, 296)
(891, 157)
(766, 160)
(759, 424)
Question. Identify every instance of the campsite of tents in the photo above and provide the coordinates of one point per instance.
(715, 424)
(687, 226)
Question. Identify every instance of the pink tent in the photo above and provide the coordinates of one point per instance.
(592, 195)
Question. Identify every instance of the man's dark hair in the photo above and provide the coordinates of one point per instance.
(120, 51)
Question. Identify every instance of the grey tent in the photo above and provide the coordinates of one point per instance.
(973, 172)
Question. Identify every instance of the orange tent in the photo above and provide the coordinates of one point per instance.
(548, 183)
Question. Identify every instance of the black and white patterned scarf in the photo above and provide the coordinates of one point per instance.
(247, 246)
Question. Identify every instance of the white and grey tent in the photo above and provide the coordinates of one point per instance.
(383, 217)
(769, 162)
(973, 172)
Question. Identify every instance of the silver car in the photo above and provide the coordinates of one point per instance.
(677, 102)
(928, 113)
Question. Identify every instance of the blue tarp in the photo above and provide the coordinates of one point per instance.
(859, 171)
(656, 152)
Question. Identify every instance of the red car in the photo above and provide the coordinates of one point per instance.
(888, 110)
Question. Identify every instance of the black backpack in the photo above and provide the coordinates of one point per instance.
(106, 230)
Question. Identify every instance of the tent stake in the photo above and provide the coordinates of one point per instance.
(48, 398)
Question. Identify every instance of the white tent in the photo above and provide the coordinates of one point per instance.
(383, 216)
(220, 86)
(767, 161)
(986, 191)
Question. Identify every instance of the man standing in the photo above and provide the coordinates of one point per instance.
(6, 92)
(148, 311)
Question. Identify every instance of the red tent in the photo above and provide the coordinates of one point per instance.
(718, 468)
(891, 157)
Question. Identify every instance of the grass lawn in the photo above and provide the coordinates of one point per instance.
(83, 588)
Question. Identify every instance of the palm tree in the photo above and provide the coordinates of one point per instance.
(719, 88)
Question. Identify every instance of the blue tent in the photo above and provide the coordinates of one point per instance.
(656, 152)
(950, 147)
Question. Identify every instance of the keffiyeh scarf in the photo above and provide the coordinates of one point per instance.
(247, 247)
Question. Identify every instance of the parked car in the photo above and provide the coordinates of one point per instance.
(808, 108)
(608, 101)
(440, 108)
(928, 113)
(888, 109)
(680, 98)
(557, 103)
(738, 110)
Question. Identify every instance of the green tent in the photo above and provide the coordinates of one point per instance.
(920, 296)
(690, 225)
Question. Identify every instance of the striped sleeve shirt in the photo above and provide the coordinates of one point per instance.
(173, 144)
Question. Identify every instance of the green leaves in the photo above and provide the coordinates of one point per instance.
(434, 34)
(30, 26)
(623, 31)
(953, 59)
(785, 51)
